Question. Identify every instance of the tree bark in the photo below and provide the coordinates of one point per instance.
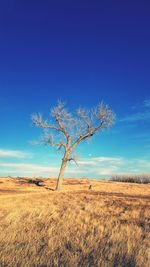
(61, 172)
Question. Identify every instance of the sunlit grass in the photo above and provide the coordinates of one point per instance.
(106, 226)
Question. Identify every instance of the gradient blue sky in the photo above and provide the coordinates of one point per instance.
(81, 52)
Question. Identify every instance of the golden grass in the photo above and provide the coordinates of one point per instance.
(107, 226)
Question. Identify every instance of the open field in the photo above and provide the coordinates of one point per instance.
(107, 226)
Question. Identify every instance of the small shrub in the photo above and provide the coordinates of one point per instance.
(37, 182)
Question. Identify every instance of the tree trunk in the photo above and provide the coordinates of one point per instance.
(61, 173)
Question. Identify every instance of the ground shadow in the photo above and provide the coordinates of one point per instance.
(48, 188)
(113, 194)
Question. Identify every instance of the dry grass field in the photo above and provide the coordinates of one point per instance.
(106, 226)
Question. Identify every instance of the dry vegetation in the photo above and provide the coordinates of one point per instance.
(106, 226)
(139, 179)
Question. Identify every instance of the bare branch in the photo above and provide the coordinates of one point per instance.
(71, 129)
(63, 119)
(61, 145)
(39, 122)
(81, 138)
(101, 117)
(104, 115)
(73, 159)
(83, 126)
(83, 114)
(48, 138)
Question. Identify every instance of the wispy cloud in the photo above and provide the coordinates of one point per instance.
(107, 166)
(93, 167)
(143, 113)
(139, 116)
(146, 103)
(27, 169)
(22, 169)
(6, 153)
(94, 161)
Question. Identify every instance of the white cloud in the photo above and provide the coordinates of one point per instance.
(87, 162)
(108, 159)
(23, 169)
(96, 167)
(107, 171)
(94, 161)
(27, 169)
(6, 153)
(107, 166)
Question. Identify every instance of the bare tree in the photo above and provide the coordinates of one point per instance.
(70, 129)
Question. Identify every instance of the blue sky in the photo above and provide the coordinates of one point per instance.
(81, 52)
